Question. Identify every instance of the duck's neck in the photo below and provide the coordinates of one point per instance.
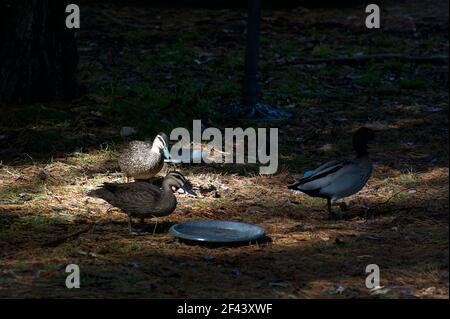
(156, 149)
(360, 149)
(167, 196)
(362, 155)
(167, 188)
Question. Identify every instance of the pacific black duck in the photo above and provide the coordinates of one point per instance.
(142, 199)
(142, 160)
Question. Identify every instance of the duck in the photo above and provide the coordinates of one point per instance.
(142, 160)
(338, 179)
(143, 200)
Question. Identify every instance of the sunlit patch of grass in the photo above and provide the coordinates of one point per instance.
(124, 247)
(105, 152)
(408, 180)
(85, 158)
(38, 220)
(402, 198)
(12, 193)
(306, 201)
(208, 204)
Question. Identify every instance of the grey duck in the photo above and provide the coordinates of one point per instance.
(340, 178)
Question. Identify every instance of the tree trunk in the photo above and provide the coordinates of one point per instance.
(38, 54)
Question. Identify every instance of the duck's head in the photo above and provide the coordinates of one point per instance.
(161, 143)
(175, 180)
(361, 138)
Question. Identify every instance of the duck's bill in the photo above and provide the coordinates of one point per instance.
(189, 191)
(166, 153)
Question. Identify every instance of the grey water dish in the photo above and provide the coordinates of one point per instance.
(217, 231)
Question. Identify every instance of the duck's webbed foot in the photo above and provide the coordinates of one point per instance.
(332, 215)
(156, 225)
(130, 228)
(139, 233)
(369, 211)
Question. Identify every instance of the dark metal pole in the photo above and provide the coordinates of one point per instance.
(250, 88)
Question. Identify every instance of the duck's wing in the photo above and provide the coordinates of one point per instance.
(137, 197)
(321, 176)
(327, 165)
(132, 148)
(347, 181)
(324, 170)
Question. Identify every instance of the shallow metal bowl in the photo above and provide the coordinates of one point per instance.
(217, 231)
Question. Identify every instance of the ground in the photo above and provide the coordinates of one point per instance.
(155, 69)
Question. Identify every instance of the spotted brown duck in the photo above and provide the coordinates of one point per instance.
(142, 160)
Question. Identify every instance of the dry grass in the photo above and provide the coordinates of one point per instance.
(306, 256)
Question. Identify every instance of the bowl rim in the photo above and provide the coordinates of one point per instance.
(258, 231)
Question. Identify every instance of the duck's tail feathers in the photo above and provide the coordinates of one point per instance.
(299, 183)
(295, 186)
(105, 192)
(110, 186)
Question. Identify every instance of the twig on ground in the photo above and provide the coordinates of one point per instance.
(391, 197)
